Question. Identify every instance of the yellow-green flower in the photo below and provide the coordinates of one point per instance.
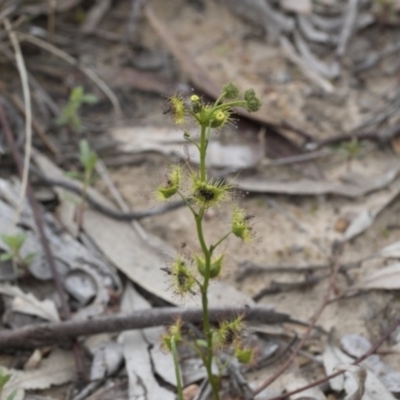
(174, 333)
(240, 225)
(182, 276)
(178, 109)
(174, 179)
(229, 332)
(209, 194)
(220, 118)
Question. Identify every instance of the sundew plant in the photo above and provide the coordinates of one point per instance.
(191, 274)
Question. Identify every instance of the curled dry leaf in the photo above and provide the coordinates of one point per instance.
(27, 303)
(387, 278)
(334, 359)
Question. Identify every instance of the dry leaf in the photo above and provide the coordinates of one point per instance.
(142, 383)
(27, 303)
(57, 369)
(387, 278)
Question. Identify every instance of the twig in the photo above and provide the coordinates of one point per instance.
(301, 132)
(373, 136)
(42, 235)
(120, 216)
(28, 116)
(51, 20)
(348, 137)
(374, 58)
(278, 287)
(297, 159)
(73, 61)
(371, 351)
(33, 336)
(247, 268)
(331, 287)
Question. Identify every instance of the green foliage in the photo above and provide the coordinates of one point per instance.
(4, 378)
(70, 113)
(87, 157)
(15, 244)
(203, 194)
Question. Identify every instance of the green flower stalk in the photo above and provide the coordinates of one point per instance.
(205, 193)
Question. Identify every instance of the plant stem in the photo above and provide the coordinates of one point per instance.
(177, 370)
(214, 246)
(207, 258)
(203, 148)
(81, 207)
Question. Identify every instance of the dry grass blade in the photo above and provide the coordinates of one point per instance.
(28, 115)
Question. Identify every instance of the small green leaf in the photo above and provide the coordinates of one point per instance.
(29, 258)
(201, 343)
(87, 157)
(14, 242)
(74, 175)
(89, 99)
(12, 395)
(6, 257)
(4, 378)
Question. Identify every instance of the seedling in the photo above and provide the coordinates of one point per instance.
(353, 151)
(15, 244)
(88, 159)
(70, 113)
(4, 378)
(200, 193)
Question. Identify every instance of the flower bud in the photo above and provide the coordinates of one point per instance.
(245, 355)
(231, 91)
(253, 103)
(215, 266)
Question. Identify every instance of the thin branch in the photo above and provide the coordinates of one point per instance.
(314, 319)
(109, 212)
(34, 336)
(371, 351)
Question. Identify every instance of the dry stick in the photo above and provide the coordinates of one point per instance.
(51, 20)
(42, 235)
(71, 60)
(34, 336)
(371, 351)
(28, 116)
(314, 319)
(110, 212)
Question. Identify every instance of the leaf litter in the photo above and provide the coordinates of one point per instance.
(367, 202)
